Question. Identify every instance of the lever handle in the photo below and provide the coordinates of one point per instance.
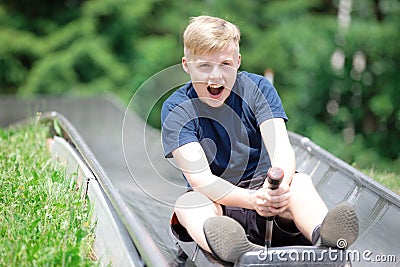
(275, 176)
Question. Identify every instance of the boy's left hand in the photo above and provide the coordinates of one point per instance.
(279, 199)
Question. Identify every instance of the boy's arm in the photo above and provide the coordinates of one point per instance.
(276, 140)
(192, 161)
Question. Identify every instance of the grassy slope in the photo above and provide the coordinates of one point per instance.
(43, 220)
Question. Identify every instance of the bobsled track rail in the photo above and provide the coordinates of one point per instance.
(126, 158)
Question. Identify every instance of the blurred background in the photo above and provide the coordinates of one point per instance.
(336, 63)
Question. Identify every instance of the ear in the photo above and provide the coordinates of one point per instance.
(185, 65)
(239, 60)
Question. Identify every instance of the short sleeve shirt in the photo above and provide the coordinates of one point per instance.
(229, 134)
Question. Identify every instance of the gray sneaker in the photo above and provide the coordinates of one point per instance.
(340, 227)
(227, 239)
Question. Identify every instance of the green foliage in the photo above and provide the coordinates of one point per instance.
(90, 47)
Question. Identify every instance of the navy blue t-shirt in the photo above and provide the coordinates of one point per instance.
(229, 134)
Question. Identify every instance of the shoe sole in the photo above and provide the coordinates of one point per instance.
(227, 239)
(340, 227)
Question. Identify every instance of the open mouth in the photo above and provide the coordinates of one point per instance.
(215, 90)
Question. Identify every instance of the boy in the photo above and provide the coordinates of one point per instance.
(225, 129)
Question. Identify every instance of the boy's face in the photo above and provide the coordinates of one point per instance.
(213, 75)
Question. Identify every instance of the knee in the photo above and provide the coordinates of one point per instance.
(192, 199)
(301, 178)
(301, 181)
(195, 204)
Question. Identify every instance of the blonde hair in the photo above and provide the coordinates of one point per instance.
(206, 34)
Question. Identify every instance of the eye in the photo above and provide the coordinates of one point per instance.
(204, 65)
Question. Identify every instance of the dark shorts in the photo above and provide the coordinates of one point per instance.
(285, 232)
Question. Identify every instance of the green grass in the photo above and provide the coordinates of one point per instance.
(384, 172)
(388, 179)
(44, 221)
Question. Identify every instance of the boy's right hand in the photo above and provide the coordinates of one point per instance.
(269, 202)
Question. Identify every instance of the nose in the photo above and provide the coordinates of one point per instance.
(216, 72)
